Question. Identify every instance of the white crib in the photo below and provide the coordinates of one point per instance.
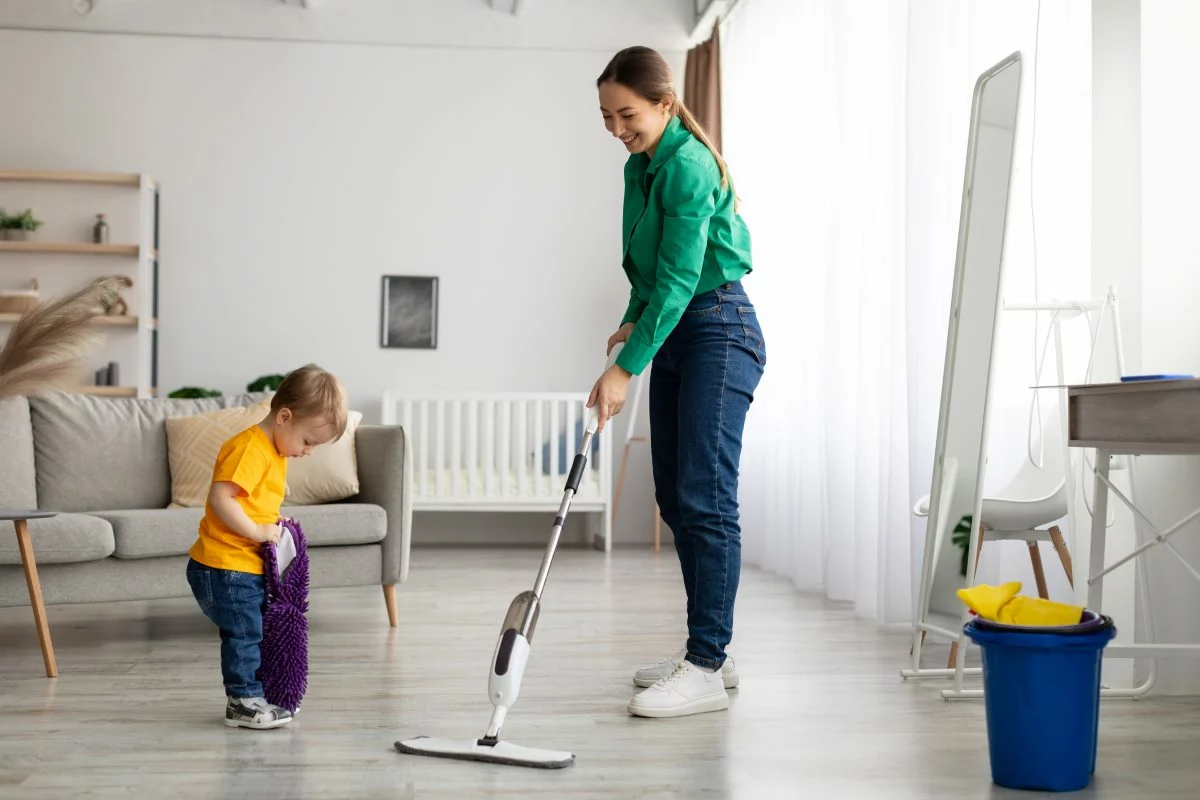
(507, 451)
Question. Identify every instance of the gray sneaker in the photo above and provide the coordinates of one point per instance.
(254, 712)
(651, 674)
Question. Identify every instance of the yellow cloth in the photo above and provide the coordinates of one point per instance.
(1003, 604)
(251, 461)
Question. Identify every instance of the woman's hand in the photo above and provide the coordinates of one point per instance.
(609, 394)
(622, 335)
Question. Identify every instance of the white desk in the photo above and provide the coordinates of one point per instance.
(1137, 418)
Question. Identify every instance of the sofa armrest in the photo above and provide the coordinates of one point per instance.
(385, 479)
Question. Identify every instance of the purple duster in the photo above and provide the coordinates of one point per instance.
(284, 669)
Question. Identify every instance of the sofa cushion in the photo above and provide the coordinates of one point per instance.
(18, 479)
(101, 452)
(64, 539)
(151, 533)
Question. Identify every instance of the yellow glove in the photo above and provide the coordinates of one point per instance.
(1002, 604)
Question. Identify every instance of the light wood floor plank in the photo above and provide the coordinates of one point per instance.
(136, 711)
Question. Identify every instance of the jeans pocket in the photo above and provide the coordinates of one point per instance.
(201, 582)
(752, 335)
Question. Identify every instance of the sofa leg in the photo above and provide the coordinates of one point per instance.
(35, 597)
(389, 596)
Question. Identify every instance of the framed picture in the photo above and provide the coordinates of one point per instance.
(410, 306)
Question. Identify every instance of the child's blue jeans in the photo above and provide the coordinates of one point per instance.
(234, 601)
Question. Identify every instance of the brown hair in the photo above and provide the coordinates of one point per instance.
(646, 72)
(311, 392)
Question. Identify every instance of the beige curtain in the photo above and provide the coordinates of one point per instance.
(702, 84)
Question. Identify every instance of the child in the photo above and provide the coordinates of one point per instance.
(226, 569)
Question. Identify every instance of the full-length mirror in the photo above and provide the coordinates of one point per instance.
(956, 489)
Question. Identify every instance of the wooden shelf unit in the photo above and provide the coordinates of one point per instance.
(144, 251)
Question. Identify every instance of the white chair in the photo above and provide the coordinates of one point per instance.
(1032, 500)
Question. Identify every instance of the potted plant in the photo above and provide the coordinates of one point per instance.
(20, 227)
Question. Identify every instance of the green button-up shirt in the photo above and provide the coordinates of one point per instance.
(681, 238)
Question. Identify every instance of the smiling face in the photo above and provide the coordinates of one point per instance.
(636, 121)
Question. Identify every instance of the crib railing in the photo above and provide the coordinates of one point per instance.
(499, 449)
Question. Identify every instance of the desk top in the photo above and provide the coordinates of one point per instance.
(1135, 387)
(9, 514)
(1138, 417)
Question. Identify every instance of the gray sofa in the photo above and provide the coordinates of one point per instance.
(102, 464)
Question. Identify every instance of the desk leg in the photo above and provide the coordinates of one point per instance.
(1095, 591)
(35, 596)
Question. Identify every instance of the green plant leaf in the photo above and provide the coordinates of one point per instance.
(193, 392)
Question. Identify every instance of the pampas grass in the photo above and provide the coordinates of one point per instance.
(46, 344)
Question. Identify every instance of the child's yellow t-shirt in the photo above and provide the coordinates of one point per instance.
(251, 461)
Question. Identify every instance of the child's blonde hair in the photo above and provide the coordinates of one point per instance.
(311, 392)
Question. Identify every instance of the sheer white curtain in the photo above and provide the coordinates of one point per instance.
(845, 125)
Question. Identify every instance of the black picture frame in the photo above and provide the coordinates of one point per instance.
(409, 312)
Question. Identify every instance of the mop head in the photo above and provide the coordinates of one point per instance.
(284, 669)
(498, 753)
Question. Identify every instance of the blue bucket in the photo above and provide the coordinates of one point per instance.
(1041, 692)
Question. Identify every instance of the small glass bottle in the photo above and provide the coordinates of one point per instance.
(100, 230)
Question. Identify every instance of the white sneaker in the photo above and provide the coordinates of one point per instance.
(687, 690)
(651, 674)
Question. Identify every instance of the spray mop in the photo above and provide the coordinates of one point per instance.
(512, 653)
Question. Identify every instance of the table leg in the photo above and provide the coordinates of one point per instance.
(35, 596)
(1095, 591)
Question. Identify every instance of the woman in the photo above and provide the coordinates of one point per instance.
(685, 251)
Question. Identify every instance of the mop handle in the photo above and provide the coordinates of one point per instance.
(573, 480)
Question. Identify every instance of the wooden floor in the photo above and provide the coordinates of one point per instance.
(136, 711)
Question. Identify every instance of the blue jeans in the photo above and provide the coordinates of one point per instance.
(701, 385)
(234, 601)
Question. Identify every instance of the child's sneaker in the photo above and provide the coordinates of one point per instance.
(254, 712)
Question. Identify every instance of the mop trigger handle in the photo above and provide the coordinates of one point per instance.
(594, 417)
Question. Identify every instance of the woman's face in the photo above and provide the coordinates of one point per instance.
(633, 119)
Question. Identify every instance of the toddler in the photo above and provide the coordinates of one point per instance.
(225, 570)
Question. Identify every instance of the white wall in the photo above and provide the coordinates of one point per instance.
(1170, 283)
(295, 174)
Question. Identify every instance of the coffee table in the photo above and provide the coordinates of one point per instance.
(20, 520)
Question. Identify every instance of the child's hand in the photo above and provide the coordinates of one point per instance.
(267, 532)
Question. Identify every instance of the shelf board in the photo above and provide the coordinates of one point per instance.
(131, 180)
(124, 321)
(106, 391)
(70, 248)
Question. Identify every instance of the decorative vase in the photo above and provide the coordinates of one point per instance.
(100, 230)
(16, 235)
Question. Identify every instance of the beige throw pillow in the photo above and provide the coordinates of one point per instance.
(329, 473)
(193, 444)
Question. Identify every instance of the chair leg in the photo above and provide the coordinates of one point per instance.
(389, 597)
(35, 597)
(657, 529)
(978, 552)
(1039, 574)
(1064, 555)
